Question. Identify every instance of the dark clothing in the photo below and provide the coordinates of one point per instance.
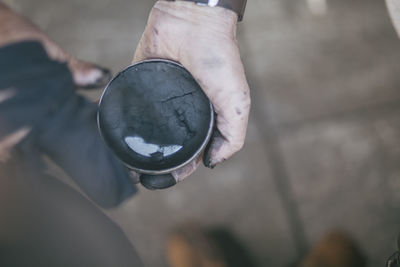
(63, 123)
(46, 223)
(43, 221)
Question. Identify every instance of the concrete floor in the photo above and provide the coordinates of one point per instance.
(323, 145)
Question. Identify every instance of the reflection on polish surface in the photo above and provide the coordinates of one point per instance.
(140, 146)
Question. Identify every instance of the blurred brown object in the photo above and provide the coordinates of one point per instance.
(189, 245)
(336, 249)
(193, 246)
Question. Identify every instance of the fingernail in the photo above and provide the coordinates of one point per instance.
(207, 161)
(155, 182)
(104, 78)
(210, 164)
(213, 164)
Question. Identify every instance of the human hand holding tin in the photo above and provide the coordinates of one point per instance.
(203, 40)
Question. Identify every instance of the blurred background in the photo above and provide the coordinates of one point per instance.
(323, 144)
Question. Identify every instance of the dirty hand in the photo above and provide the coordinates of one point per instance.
(203, 40)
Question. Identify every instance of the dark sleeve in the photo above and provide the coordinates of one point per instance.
(37, 85)
(63, 123)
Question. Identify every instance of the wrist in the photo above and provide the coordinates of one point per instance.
(237, 6)
(214, 17)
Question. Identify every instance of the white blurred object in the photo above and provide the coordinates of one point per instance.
(6, 94)
(8, 142)
(318, 7)
(394, 10)
(213, 2)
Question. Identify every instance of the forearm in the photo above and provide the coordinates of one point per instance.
(15, 28)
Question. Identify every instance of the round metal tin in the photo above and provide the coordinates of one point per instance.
(120, 125)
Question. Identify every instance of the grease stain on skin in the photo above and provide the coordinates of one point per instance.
(213, 63)
(238, 111)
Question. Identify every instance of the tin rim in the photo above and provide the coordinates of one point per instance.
(198, 151)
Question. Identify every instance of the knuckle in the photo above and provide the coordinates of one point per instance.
(246, 99)
(185, 171)
(237, 146)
